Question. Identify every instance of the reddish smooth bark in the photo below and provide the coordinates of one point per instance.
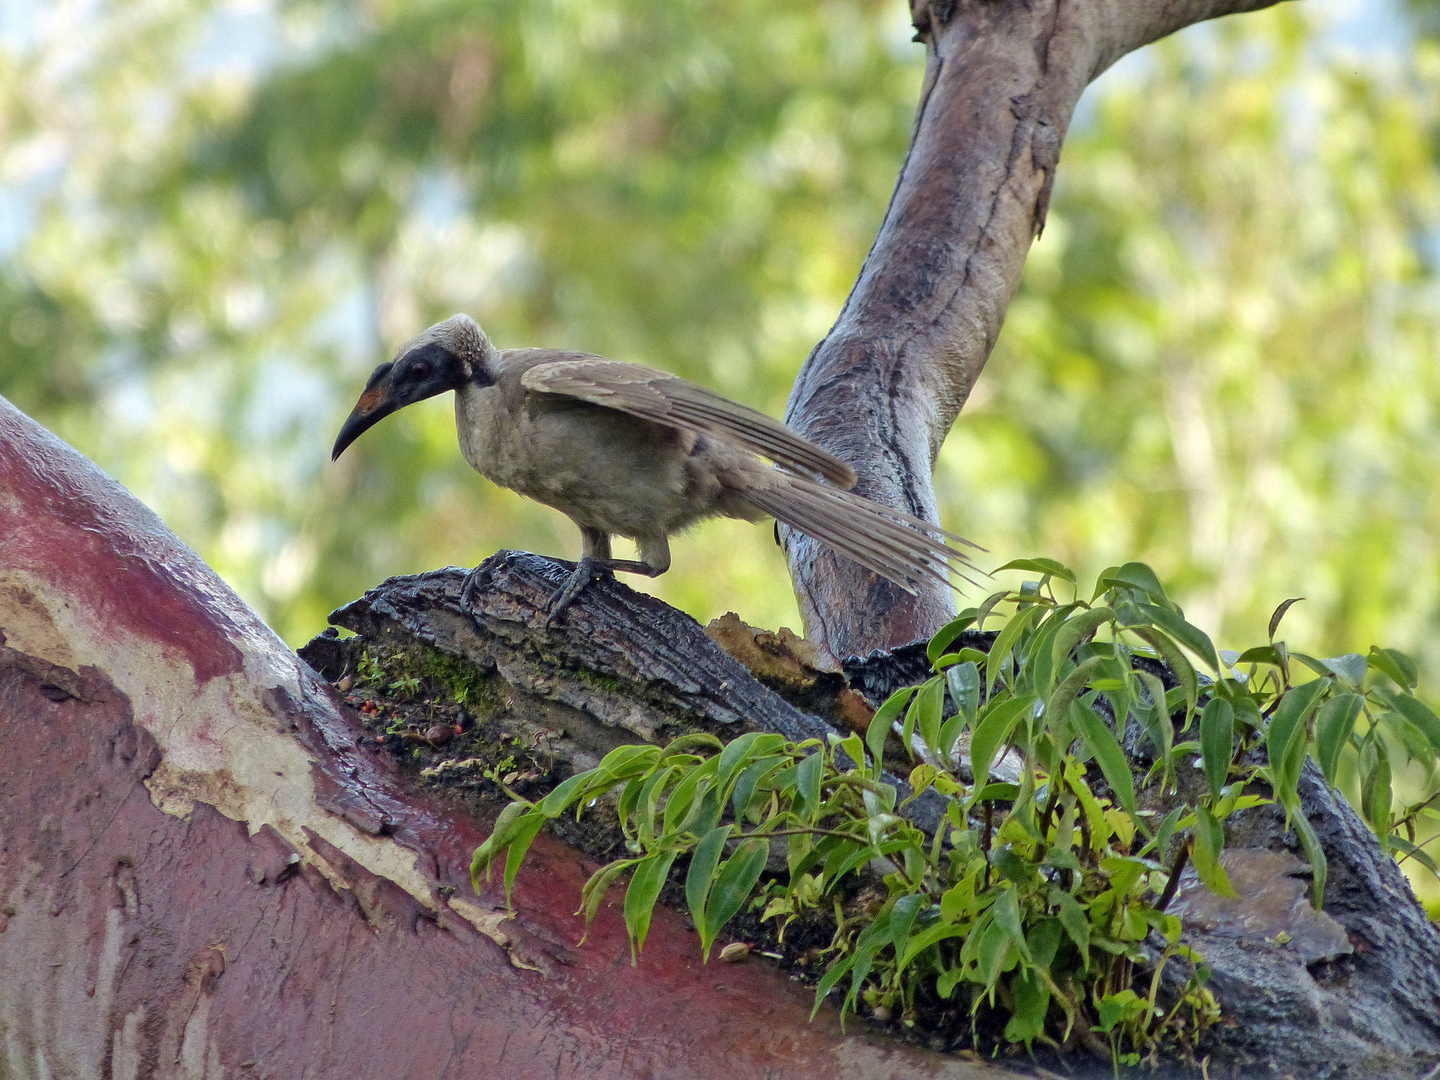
(202, 875)
(883, 388)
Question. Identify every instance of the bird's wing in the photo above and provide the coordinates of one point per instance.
(668, 399)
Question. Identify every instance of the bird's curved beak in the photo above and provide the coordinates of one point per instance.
(377, 402)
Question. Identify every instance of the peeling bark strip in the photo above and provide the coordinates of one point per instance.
(883, 388)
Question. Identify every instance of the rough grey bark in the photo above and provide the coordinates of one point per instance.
(883, 388)
(1353, 990)
(622, 667)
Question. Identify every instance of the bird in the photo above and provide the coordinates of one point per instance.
(628, 450)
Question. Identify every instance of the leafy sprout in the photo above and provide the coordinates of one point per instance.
(1040, 903)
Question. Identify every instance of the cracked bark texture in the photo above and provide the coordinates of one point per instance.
(883, 388)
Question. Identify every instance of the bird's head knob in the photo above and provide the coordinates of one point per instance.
(445, 357)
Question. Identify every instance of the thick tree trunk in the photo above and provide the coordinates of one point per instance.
(883, 388)
(203, 873)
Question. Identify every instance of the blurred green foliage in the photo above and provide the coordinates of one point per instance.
(1223, 359)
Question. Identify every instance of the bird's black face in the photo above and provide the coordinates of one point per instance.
(421, 373)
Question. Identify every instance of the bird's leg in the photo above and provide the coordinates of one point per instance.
(595, 562)
(654, 558)
(654, 555)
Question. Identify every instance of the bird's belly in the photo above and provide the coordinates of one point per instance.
(602, 469)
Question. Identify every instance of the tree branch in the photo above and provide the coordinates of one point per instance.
(883, 388)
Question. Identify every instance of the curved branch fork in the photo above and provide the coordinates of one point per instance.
(881, 391)
(202, 876)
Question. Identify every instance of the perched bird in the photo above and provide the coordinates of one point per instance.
(626, 450)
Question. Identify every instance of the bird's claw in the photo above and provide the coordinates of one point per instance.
(586, 571)
(475, 580)
(478, 580)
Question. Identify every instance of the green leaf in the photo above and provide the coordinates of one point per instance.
(858, 855)
(1333, 726)
(1192, 637)
(902, 918)
(963, 681)
(554, 804)
(735, 882)
(918, 943)
(1032, 1001)
(1419, 714)
(1039, 566)
(884, 720)
(495, 843)
(1260, 654)
(1319, 866)
(1057, 709)
(949, 632)
(1350, 667)
(1101, 742)
(1077, 630)
(1288, 725)
(1039, 659)
(1105, 580)
(645, 885)
(749, 780)
(1317, 666)
(1161, 728)
(519, 841)
(699, 878)
(1115, 1009)
(1217, 742)
(1173, 657)
(593, 894)
(1395, 664)
(1044, 939)
(1163, 835)
(992, 731)
(1137, 575)
(1006, 640)
(1209, 843)
(1279, 614)
(809, 774)
(852, 748)
(1077, 925)
(925, 712)
(626, 761)
(1376, 793)
(1007, 917)
(690, 742)
(682, 805)
(871, 940)
(833, 974)
(988, 605)
(648, 802)
(733, 756)
(1414, 851)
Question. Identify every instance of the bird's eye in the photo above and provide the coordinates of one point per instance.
(419, 371)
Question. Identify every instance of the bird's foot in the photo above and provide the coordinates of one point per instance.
(478, 580)
(586, 571)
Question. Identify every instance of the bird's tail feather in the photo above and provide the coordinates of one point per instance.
(895, 545)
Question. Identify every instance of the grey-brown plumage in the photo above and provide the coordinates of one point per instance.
(626, 450)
